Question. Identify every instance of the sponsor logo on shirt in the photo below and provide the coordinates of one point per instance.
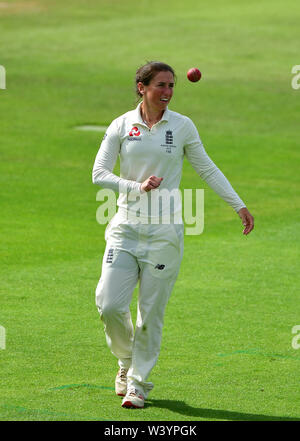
(168, 141)
(134, 134)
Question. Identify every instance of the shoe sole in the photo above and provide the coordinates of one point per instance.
(129, 405)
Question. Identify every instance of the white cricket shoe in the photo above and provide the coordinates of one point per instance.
(121, 382)
(133, 399)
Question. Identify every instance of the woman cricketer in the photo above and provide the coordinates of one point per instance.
(151, 142)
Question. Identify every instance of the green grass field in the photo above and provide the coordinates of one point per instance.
(227, 343)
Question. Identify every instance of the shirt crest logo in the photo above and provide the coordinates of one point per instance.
(169, 137)
(169, 141)
(110, 255)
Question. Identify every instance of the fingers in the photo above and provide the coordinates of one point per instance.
(151, 183)
(154, 181)
(248, 223)
(247, 220)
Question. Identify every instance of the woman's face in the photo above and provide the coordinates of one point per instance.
(159, 92)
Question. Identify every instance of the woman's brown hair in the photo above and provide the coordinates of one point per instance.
(147, 72)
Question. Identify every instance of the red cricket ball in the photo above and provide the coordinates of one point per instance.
(194, 74)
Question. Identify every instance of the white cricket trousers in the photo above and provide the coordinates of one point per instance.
(151, 255)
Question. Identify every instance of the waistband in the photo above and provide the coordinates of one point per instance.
(131, 216)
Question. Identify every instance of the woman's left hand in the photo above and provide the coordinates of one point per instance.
(247, 219)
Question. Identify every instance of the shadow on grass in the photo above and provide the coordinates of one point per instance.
(184, 409)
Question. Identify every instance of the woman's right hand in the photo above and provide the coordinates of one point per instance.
(151, 183)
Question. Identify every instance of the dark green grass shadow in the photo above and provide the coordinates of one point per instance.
(217, 414)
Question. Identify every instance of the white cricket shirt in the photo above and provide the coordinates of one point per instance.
(158, 151)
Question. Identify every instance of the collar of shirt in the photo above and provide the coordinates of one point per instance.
(137, 117)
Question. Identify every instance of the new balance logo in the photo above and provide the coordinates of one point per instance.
(110, 255)
(160, 267)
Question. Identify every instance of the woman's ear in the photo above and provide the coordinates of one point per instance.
(141, 88)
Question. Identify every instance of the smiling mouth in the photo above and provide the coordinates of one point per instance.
(164, 100)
